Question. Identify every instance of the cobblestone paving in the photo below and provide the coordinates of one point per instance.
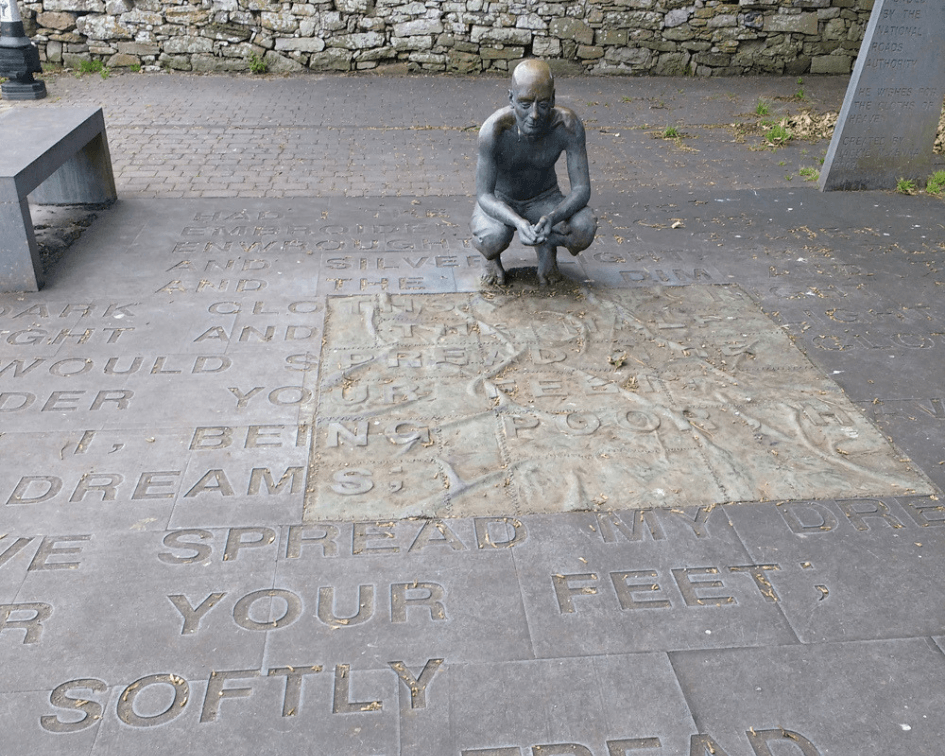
(182, 135)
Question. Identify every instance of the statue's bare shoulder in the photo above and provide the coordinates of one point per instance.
(500, 122)
(568, 121)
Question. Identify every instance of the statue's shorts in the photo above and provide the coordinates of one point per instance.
(492, 236)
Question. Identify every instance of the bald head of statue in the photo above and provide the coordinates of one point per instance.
(532, 97)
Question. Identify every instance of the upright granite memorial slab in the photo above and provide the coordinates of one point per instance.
(890, 114)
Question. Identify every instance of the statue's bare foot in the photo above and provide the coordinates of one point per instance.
(548, 272)
(494, 274)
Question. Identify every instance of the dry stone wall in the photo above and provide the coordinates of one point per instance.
(664, 37)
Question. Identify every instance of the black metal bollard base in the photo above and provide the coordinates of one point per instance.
(19, 60)
(23, 90)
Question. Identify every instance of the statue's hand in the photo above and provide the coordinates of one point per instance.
(542, 229)
(527, 235)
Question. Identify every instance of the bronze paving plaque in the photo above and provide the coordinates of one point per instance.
(448, 405)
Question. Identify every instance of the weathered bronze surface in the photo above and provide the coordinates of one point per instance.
(516, 184)
(453, 405)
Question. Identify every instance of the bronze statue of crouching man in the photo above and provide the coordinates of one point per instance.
(516, 184)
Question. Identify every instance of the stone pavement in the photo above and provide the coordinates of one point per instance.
(277, 476)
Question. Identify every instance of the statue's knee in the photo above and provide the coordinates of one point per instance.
(492, 243)
(583, 229)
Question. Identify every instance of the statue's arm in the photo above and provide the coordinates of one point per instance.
(578, 172)
(487, 172)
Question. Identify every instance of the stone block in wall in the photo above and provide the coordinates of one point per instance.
(835, 28)
(123, 60)
(501, 53)
(658, 45)
(80, 6)
(607, 37)
(634, 20)
(378, 53)
(281, 23)
(550, 9)
(203, 63)
(73, 59)
(355, 6)
(175, 62)
(243, 50)
(186, 15)
(331, 21)
(679, 33)
(117, 7)
(461, 62)
(140, 17)
(300, 44)
(54, 51)
(500, 36)
(138, 48)
(676, 17)
(801, 23)
(571, 28)
(360, 41)
(672, 64)
(546, 47)
(101, 49)
(280, 64)
(332, 59)
(715, 60)
(229, 32)
(68, 38)
(102, 27)
(531, 21)
(187, 44)
(428, 59)
(638, 57)
(406, 44)
(370, 23)
(722, 20)
(589, 52)
(830, 64)
(418, 27)
(59, 21)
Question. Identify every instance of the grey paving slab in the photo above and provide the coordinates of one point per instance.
(644, 580)
(89, 623)
(583, 705)
(21, 713)
(835, 698)
(90, 478)
(850, 570)
(257, 713)
(425, 601)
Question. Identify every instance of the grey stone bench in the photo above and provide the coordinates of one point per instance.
(59, 156)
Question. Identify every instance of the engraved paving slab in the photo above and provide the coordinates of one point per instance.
(490, 403)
